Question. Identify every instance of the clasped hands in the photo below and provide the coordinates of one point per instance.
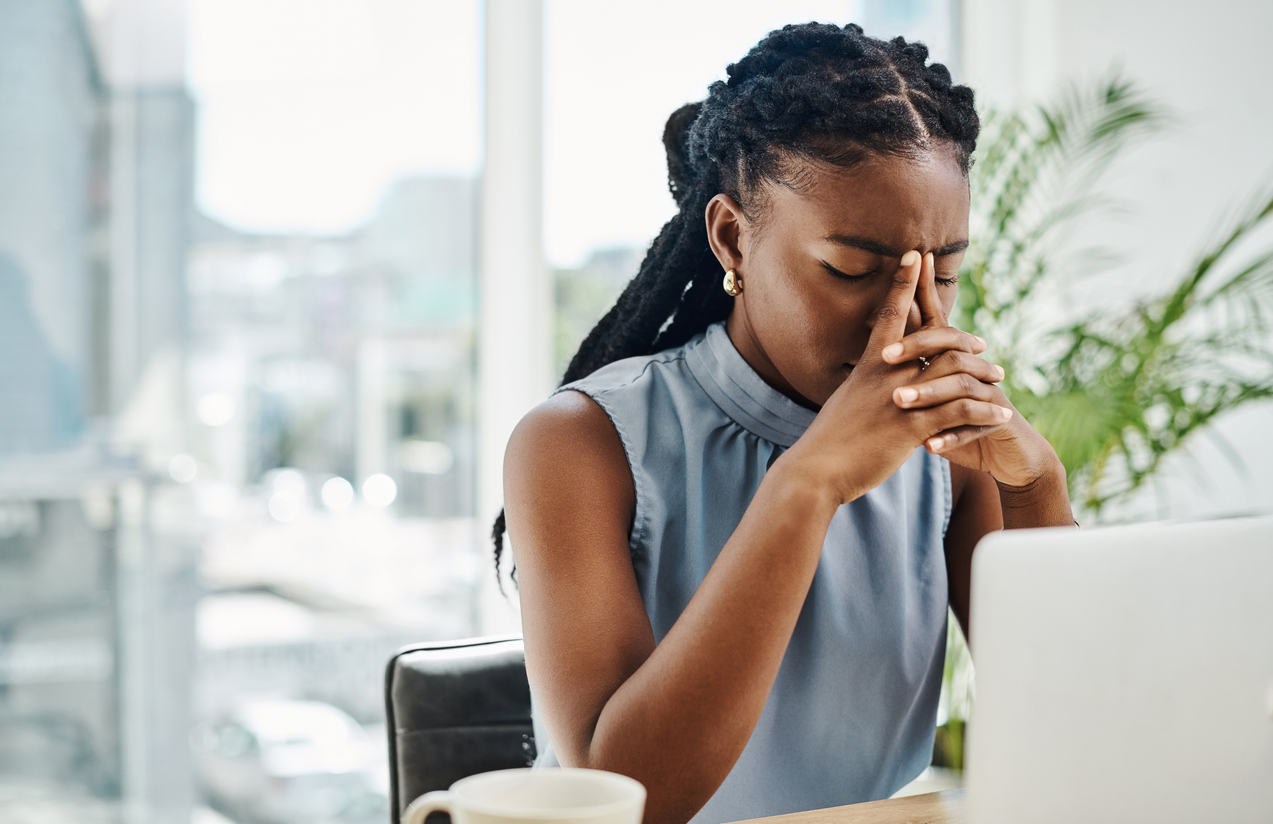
(955, 393)
(893, 402)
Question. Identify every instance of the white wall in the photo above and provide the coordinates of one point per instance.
(1211, 63)
(515, 343)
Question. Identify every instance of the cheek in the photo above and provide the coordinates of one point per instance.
(948, 297)
(799, 305)
(812, 316)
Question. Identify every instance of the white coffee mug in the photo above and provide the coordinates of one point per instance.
(536, 796)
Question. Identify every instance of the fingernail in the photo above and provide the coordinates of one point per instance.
(1004, 413)
(980, 339)
(893, 350)
(909, 258)
(908, 395)
(936, 444)
(999, 369)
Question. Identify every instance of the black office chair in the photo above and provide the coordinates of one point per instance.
(455, 708)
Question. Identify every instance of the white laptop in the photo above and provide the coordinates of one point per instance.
(1123, 675)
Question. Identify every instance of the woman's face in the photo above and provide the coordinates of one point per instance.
(819, 262)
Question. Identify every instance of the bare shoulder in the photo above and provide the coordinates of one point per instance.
(564, 462)
(964, 480)
(975, 514)
(566, 417)
(974, 508)
(958, 480)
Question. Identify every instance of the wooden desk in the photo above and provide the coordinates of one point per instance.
(945, 807)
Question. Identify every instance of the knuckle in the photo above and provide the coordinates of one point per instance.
(888, 311)
(968, 384)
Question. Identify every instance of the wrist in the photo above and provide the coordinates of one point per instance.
(1041, 501)
(804, 480)
(1050, 475)
(1034, 464)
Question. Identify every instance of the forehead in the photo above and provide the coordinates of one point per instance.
(908, 203)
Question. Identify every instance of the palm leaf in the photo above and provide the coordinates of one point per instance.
(1117, 393)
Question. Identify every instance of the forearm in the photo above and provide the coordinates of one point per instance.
(1044, 501)
(681, 720)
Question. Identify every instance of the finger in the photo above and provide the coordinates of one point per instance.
(957, 413)
(953, 361)
(890, 318)
(944, 390)
(957, 437)
(930, 342)
(931, 312)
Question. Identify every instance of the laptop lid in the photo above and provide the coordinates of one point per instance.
(1123, 674)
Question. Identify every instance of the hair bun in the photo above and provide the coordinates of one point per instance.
(680, 174)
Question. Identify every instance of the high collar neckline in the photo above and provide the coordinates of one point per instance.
(741, 393)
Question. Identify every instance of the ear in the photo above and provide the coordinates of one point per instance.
(727, 229)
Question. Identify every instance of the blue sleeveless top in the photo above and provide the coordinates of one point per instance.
(851, 714)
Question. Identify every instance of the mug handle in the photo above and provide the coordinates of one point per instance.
(434, 802)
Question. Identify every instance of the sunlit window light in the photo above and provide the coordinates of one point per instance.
(427, 457)
(216, 409)
(182, 468)
(379, 490)
(337, 493)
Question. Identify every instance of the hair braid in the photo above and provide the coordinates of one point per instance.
(816, 92)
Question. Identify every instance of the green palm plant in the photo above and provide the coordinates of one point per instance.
(1116, 392)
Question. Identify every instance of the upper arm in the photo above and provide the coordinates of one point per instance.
(569, 502)
(975, 513)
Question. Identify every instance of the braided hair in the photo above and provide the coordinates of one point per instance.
(813, 92)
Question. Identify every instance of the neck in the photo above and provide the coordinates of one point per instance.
(744, 339)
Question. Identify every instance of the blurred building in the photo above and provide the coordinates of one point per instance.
(347, 355)
(582, 295)
(52, 155)
(318, 363)
(96, 615)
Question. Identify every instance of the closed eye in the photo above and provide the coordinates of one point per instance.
(950, 281)
(844, 275)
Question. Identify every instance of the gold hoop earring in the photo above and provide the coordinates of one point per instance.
(733, 284)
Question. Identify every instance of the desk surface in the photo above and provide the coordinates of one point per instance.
(945, 807)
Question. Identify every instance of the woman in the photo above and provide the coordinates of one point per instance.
(739, 524)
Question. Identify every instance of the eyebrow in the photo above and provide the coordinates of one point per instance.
(884, 250)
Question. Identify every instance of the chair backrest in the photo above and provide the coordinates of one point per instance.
(455, 708)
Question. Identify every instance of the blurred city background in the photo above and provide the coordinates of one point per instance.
(278, 276)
